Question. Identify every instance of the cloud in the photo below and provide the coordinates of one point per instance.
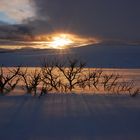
(17, 10)
(111, 20)
(15, 32)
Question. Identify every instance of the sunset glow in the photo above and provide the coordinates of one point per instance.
(60, 42)
(63, 41)
(53, 41)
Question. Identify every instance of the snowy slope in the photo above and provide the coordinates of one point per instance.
(105, 56)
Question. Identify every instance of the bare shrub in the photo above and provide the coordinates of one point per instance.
(110, 81)
(31, 80)
(72, 73)
(51, 75)
(44, 90)
(135, 92)
(8, 79)
(92, 78)
(82, 83)
(26, 80)
(125, 87)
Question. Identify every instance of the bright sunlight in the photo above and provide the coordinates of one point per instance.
(61, 41)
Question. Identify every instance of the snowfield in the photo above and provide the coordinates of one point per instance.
(73, 116)
(70, 117)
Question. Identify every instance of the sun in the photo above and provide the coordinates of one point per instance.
(61, 41)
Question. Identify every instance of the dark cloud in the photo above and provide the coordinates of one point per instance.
(115, 19)
(38, 26)
(15, 32)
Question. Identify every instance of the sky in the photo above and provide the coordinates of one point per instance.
(110, 20)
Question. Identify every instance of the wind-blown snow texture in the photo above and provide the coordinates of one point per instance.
(101, 56)
(70, 117)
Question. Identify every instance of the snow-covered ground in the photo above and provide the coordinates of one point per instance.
(73, 116)
(70, 117)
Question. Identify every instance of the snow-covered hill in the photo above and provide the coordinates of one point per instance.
(105, 56)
